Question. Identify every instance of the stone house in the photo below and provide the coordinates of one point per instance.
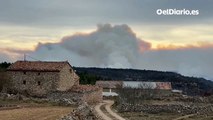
(38, 78)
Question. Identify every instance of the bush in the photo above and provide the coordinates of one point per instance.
(135, 96)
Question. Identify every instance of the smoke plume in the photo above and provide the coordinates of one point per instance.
(118, 47)
(108, 46)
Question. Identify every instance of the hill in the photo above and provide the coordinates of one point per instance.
(190, 85)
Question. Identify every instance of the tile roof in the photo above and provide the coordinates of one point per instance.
(42, 66)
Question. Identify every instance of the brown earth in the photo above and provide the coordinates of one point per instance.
(107, 113)
(35, 113)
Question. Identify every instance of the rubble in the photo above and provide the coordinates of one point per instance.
(83, 112)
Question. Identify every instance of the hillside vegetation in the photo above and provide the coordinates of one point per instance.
(190, 85)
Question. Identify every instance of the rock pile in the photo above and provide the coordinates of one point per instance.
(6, 96)
(65, 98)
(83, 112)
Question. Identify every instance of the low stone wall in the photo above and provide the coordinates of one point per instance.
(65, 98)
(169, 108)
(77, 96)
(83, 112)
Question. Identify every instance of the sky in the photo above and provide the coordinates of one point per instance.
(110, 33)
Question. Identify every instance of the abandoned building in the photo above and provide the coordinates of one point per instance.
(110, 87)
(39, 77)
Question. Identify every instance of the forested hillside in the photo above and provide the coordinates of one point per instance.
(190, 85)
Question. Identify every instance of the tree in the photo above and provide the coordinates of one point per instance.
(4, 65)
(4, 80)
(137, 95)
(86, 78)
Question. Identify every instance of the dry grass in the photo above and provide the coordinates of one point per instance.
(35, 113)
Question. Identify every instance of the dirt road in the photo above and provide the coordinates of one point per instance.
(38, 113)
(107, 113)
(184, 117)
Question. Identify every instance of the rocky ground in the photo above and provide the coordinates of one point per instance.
(169, 108)
(37, 108)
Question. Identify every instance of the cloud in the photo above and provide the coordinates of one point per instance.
(5, 57)
(118, 46)
(78, 12)
(187, 61)
(108, 46)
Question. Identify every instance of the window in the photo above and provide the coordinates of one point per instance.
(39, 82)
(39, 73)
(25, 73)
(70, 70)
(24, 82)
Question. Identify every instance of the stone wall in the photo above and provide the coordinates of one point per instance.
(82, 112)
(68, 78)
(168, 108)
(75, 97)
(64, 97)
(33, 83)
(40, 83)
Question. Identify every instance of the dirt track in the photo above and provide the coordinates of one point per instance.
(184, 117)
(39, 113)
(110, 115)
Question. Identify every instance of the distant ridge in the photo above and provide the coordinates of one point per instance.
(190, 85)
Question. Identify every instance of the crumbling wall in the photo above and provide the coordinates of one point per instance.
(77, 97)
(83, 112)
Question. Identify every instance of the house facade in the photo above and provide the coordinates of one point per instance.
(37, 78)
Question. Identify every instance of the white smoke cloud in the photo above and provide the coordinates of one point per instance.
(118, 47)
(108, 46)
(191, 62)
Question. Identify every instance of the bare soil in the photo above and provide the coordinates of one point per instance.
(31, 110)
(104, 110)
(35, 113)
